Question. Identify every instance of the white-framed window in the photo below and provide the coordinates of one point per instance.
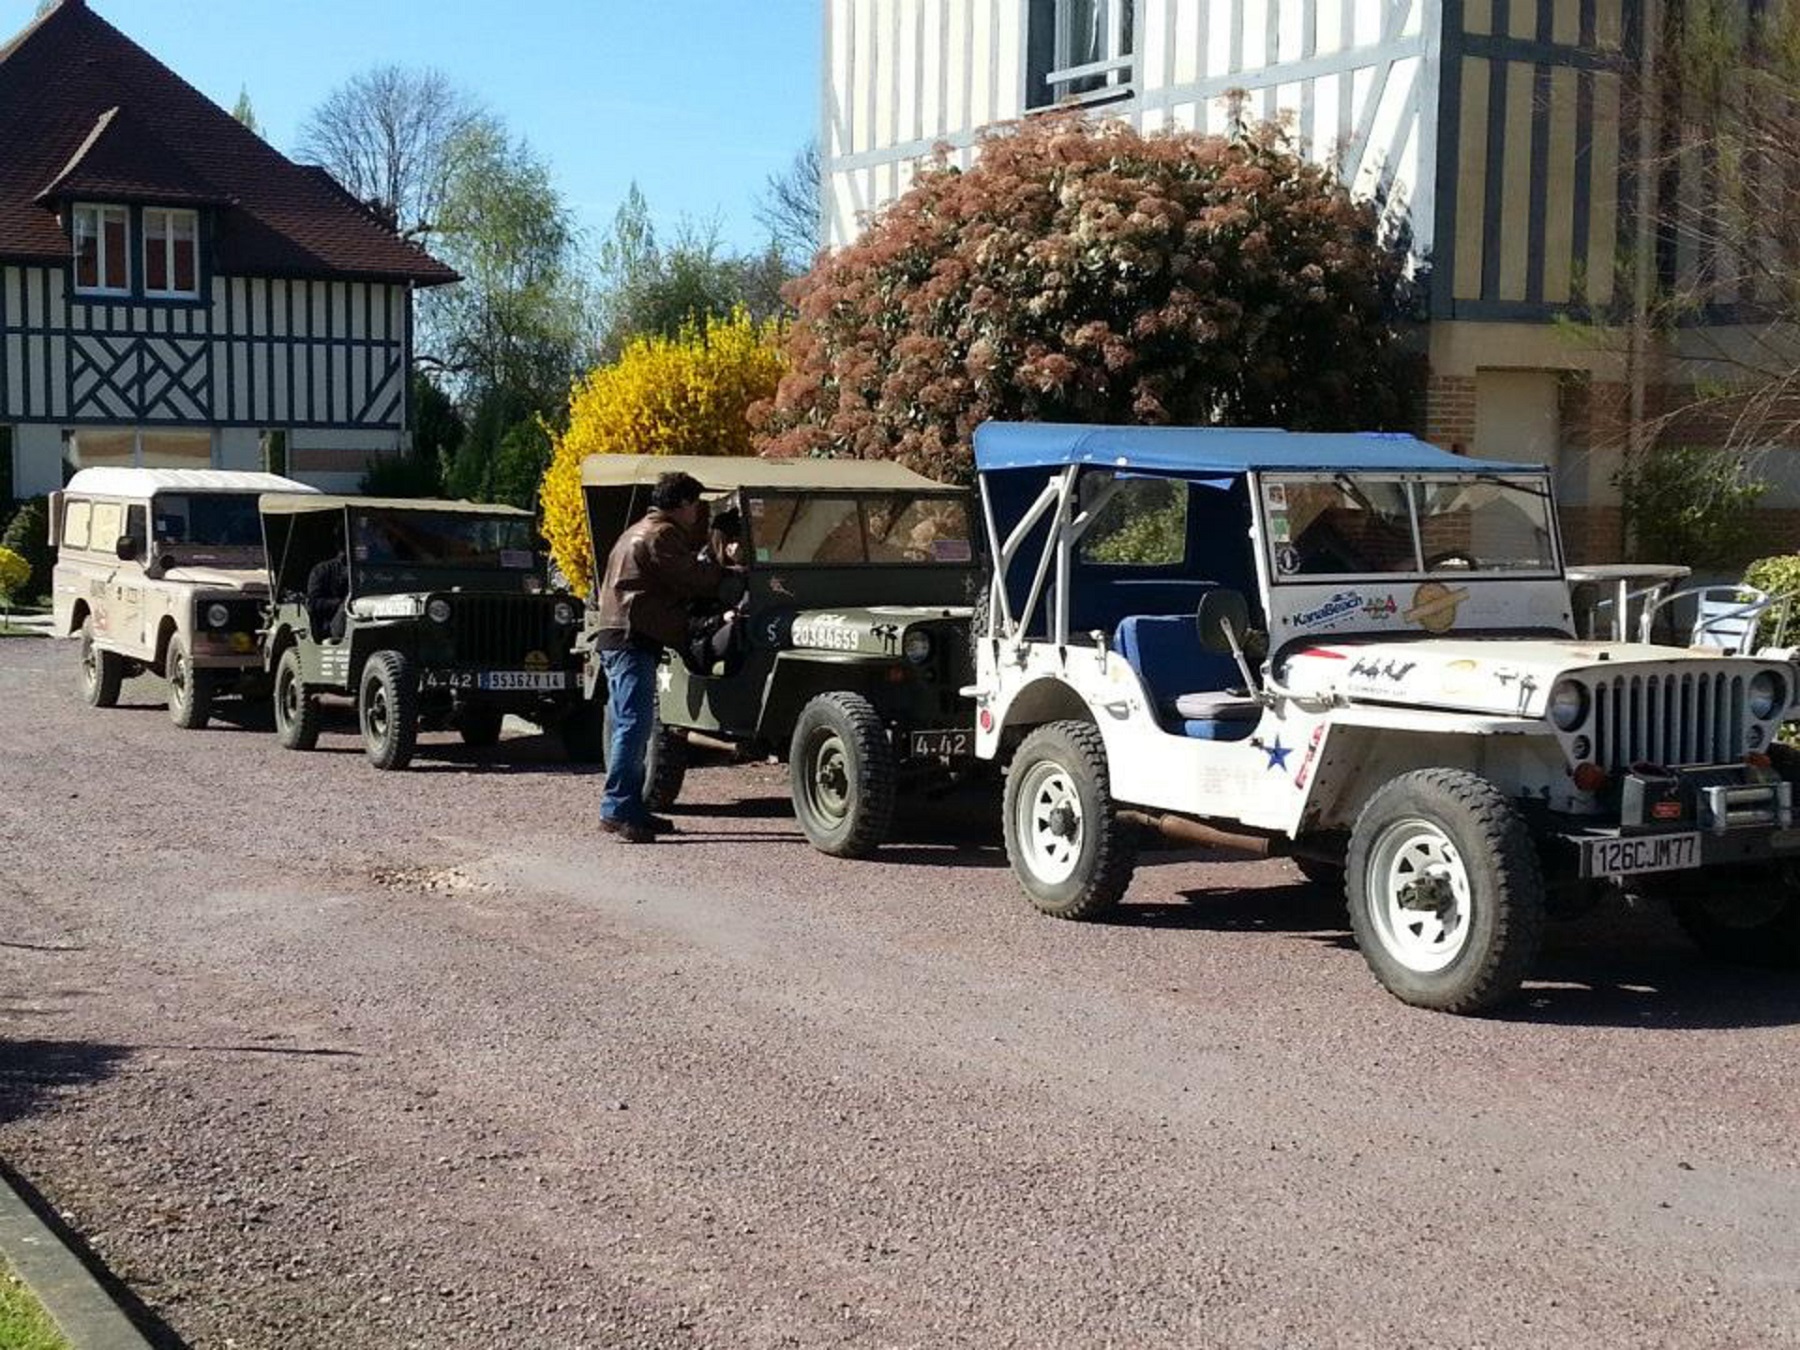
(102, 250)
(171, 253)
(1079, 50)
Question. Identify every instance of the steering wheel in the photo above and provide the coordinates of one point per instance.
(1452, 558)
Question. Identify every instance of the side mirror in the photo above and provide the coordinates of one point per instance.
(1224, 618)
(128, 547)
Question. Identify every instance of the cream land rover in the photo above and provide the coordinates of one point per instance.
(162, 570)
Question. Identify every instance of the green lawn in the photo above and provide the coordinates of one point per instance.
(24, 1325)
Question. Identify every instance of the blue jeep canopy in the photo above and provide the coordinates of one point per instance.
(1216, 450)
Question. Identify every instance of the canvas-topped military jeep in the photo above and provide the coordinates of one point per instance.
(428, 614)
(1358, 651)
(161, 570)
(854, 603)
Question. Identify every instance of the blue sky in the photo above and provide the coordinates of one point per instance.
(698, 100)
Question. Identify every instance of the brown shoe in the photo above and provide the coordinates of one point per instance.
(629, 831)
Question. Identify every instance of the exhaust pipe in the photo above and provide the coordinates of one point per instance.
(1185, 830)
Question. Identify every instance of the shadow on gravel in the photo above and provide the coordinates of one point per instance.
(1310, 912)
(152, 1328)
(1656, 990)
(746, 808)
(31, 1071)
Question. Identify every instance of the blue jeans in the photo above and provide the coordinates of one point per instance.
(631, 687)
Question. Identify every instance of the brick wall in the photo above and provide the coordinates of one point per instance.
(1449, 413)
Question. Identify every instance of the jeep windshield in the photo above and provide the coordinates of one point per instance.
(921, 529)
(456, 539)
(1342, 526)
(202, 521)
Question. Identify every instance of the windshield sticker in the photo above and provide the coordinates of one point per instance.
(515, 557)
(1276, 496)
(950, 550)
(1341, 604)
(756, 508)
(1287, 560)
(1279, 530)
(763, 554)
(1434, 606)
(1380, 608)
(362, 553)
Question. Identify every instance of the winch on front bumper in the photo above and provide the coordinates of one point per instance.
(1673, 820)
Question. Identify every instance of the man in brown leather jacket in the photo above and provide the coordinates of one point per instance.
(653, 574)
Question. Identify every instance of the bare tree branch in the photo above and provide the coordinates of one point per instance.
(387, 135)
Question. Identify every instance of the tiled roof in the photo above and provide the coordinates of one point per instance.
(85, 112)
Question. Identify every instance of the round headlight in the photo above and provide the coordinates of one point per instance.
(438, 611)
(217, 616)
(564, 612)
(917, 647)
(1767, 694)
(1568, 705)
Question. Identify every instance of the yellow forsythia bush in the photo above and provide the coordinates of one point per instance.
(686, 395)
(14, 573)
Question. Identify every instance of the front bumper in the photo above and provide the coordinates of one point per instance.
(1674, 820)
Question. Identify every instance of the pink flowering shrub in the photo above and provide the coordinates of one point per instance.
(1085, 272)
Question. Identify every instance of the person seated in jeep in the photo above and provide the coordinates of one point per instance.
(327, 588)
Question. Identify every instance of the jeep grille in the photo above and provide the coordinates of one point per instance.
(497, 631)
(1689, 718)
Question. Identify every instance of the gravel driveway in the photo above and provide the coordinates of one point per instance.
(317, 1056)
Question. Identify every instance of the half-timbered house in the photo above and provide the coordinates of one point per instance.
(173, 291)
(1497, 132)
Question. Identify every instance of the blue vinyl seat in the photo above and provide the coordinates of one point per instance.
(1190, 686)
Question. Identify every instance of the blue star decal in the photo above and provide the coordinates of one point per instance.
(1278, 754)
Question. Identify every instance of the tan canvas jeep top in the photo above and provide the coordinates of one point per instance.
(162, 570)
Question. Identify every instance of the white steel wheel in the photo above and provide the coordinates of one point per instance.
(1418, 893)
(1049, 823)
(1446, 891)
(1071, 854)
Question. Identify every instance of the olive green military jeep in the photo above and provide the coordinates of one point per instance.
(853, 609)
(428, 614)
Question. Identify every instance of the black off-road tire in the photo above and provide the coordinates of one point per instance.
(296, 711)
(102, 672)
(583, 731)
(480, 727)
(1058, 777)
(1742, 918)
(190, 690)
(387, 710)
(1503, 921)
(842, 773)
(665, 761)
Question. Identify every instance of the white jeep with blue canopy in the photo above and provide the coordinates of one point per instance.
(1358, 651)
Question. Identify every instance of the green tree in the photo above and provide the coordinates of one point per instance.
(518, 321)
(28, 535)
(1087, 272)
(245, 112)
(649, 288)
